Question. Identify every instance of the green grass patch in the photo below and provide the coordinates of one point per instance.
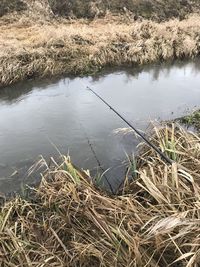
(192, 119)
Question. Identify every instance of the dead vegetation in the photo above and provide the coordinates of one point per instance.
(153, 222)
(10, 6)
(36, 41)
(148, 9)
(46, 48)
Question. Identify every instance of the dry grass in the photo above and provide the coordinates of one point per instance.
(30, 50)
(148, 9)
(69, 222)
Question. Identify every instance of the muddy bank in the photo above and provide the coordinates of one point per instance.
(30, 50)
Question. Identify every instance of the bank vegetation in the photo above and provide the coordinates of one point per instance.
(149, 9)
(152, 221)
(43, 39)
(192, 120)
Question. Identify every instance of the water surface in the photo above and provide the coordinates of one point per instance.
(36, 117)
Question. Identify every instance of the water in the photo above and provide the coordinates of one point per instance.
(39, 118)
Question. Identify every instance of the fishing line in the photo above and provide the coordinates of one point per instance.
(97, 160)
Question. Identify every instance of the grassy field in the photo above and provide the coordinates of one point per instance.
(152, 221)
(38, 49)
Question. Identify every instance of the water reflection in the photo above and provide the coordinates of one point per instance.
(19, 91)
(155, 70)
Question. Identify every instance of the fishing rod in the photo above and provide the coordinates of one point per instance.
(162, 155)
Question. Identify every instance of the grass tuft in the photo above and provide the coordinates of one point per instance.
(192, 120)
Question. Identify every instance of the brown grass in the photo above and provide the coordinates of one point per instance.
(45, 48)
(153, 9)
(69, 222)
(148, 9)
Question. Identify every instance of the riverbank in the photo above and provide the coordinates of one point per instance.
(192, 120)
(45, 48)
(153, 221)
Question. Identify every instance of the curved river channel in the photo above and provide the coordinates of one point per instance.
(41, 117)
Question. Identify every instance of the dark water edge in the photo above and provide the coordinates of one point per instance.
(41, 117)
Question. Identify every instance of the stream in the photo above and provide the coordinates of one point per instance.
(55, 116)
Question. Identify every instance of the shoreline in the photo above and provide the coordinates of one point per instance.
(191, 120)
(79, 47)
